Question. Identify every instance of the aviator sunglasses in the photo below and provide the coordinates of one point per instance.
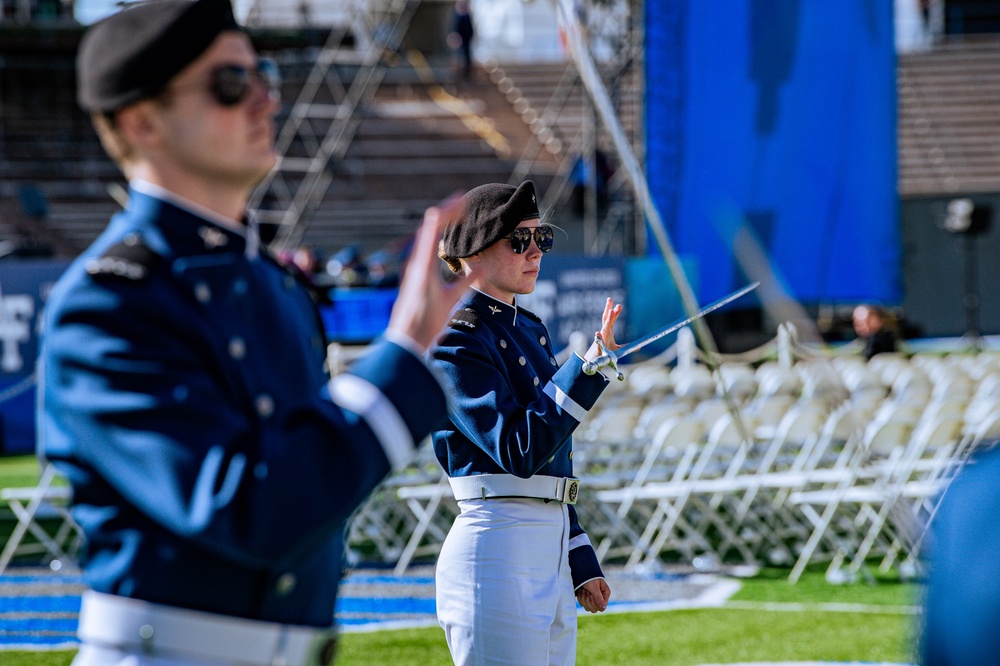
(520, 239)
(231, 84)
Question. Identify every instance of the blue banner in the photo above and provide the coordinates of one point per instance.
(570, 293)
(24, 287)
(772, 143)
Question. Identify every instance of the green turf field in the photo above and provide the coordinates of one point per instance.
(767, 620)
(682, 638)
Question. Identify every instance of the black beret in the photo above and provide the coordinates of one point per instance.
(133, 54)
(492, 211)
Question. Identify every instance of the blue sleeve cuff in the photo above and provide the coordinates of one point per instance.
(583, 563)
(573, 390)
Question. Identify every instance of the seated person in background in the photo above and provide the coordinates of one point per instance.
(870, 325)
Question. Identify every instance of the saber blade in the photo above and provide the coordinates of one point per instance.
(636, 345)
(610, 358)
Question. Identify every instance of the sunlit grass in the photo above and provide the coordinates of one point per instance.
(763, 623)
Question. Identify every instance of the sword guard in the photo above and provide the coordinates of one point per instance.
(607, 359)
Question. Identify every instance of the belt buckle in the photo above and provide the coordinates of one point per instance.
(571, 490)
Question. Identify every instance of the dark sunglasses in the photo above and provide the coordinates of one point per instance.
(520, 239)
(231, 84)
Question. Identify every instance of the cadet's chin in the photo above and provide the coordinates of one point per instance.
(264, 172)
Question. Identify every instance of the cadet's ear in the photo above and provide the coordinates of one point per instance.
(137, 124)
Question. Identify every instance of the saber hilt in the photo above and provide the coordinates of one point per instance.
(607, 359)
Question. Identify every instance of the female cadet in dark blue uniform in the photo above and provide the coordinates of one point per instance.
(516, 560)
(214, 462)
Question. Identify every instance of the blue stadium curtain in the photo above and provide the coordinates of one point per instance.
(776, 120)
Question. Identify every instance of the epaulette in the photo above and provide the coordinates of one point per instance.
(466, 318)
(529, 314)
(129, 259)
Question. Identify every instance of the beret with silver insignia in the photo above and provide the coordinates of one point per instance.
(492, 211)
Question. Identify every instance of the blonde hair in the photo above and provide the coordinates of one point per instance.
(454, 263)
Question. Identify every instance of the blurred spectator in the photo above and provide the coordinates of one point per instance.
(462, 32)
(304, 259)
(580, 176)
(347, 268)
(870, 325)
(304, 263)
(382, 270)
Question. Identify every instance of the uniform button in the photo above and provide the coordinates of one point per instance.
(131, 239)
(240, 287)
(552, 360)
(264, 404)
(285, 584)
(260, 470)
(237, 348)
(570, 455)
(503, 344)
(535, 380)
(146, 632)
(552, 459)
(213, 238)
(203, 292)
(542, 340)
(180, 393)
(522, 360)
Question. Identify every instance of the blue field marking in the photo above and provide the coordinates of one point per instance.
(385, 605)
(62, 625)
(41, 604)
(39, 610)
(8, 579)
(376, 579)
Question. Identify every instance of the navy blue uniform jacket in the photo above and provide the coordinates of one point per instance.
(513, 409)
(185, 394)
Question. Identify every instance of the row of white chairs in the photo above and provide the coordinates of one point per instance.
(827, 459)
(830, 459)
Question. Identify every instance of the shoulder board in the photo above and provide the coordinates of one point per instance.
(130, 259)
(466, 318)
(529, 314)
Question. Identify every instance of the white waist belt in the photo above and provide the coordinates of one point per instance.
(111, 621)
(484, 486)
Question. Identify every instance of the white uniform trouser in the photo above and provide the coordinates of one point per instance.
(504, 589)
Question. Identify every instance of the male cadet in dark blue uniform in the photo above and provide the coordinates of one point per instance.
(962, 607)
(516, 559)
(213, 461)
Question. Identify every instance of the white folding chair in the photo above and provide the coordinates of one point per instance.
(678, 519)
(434, 506)
(891, 509)
(882, 445)
(668, 457)
(985, 429)
(30, 506)
(385, 523)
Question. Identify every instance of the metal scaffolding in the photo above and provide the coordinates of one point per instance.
(346, 72)
(614, 37)
(321, 123)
